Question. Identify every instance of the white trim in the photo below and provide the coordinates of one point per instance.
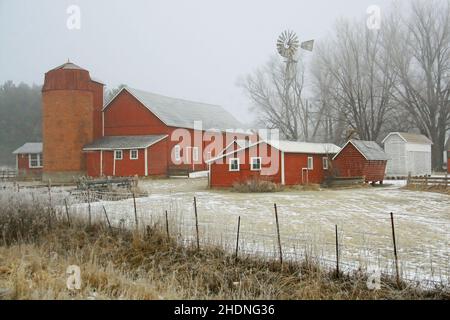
(146, 161)
(349, 141)
(238, 165)
(251, 163)
(137, 154)
(323, 166)
(177, 154)
(114, 166)
(17, 163)
(103, 124)
(101, 163)
(121, 154)
(195, 159)
(312, 163)
(283, 178)
(39, 160)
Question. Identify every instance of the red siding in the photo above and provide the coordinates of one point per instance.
(293, 164)
(296, 171)
(222, 177)
(156, 159)
(23, 166)
(351, 163)
(125, 115)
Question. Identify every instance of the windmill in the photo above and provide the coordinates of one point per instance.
(287, 46)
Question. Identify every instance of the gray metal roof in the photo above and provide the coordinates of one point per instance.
(123, 142)
(370, 150)
(29, 147)
(182, 113)
(411, 137)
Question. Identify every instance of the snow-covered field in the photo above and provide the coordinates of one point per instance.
(307, 223)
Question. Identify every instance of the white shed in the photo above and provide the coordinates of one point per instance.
(409, 153)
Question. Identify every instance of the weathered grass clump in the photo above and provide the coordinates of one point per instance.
(256, 185)
(37, 245)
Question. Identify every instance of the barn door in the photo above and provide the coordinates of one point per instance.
(305, 177)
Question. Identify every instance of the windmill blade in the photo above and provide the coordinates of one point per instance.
(307, 45)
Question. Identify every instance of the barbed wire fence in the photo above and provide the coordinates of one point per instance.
(331, 247)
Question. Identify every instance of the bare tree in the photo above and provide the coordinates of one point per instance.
(360, 81)
(277, 97)
(421, 60)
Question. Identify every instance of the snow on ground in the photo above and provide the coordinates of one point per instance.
(307, 222)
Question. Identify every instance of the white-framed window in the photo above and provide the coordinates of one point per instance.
(195, 154)
(177, 152)
(255, 163)
(234, 164)
(118, 155)
(35, 160)
(134, 154)
(325, 163)
(310, 163)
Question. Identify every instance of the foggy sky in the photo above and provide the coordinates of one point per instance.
(192, 49)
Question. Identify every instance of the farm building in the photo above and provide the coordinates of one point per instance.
(409, 153)
(29, 159)
(359, 158)
(282, 162)
(135, 133)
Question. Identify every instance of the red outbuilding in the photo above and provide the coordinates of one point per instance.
(282, 162)
(361, 159)
(29, 160)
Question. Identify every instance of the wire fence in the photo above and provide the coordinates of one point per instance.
(337, 246)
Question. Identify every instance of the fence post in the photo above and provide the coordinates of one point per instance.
(337, 251)
(196, 223)
(237, 236)
(107, 219)
(278, 233)
(135, 212)
(67, 211)
(167, 227)
(395, 249)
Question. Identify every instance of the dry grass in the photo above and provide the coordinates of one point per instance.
(36, 247)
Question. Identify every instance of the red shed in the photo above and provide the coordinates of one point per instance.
(282, 162)
(361, 159)
(29, 160)
(127, 156)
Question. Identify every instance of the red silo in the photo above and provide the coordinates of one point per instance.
(71, 118)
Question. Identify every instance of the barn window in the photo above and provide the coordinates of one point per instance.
(195, 153)
(256, 163)
(310, 163)
(118, 155)
(177, 152)
(35, 160)
(234, 164)
(134, 154)
(325, 163)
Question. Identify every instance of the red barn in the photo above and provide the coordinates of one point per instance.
(135, 133)
(29, 160)
(282, 162)
(361, 159)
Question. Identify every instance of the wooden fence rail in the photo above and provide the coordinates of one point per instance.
(8, 174)
(429, 181)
